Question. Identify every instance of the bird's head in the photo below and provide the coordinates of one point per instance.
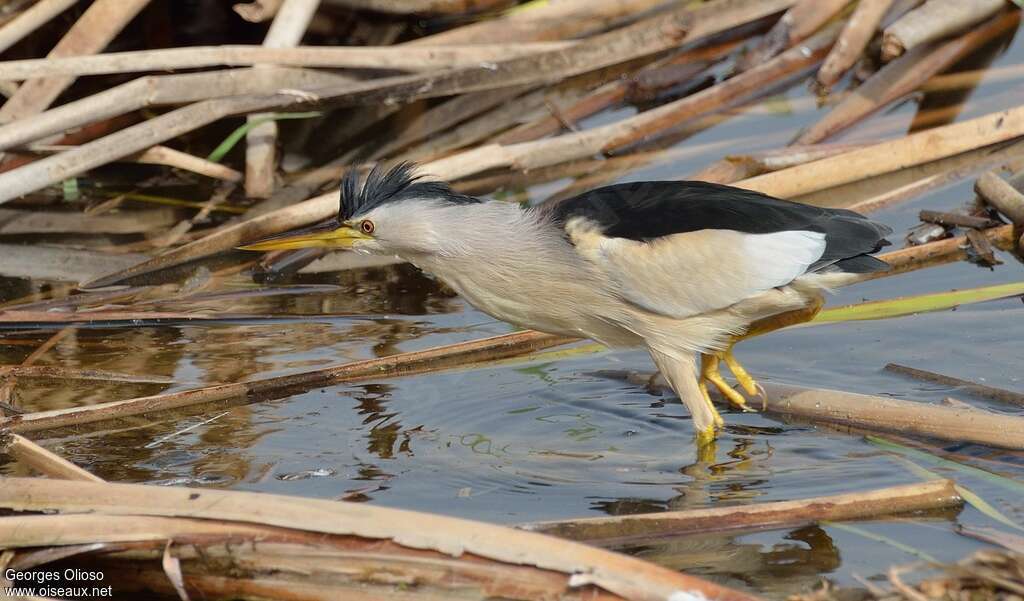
(392, 212)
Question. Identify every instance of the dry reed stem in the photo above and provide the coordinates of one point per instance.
(646, 37)
(434, 121)
(541, 153)
(70, 373)
(856, 34)
(103, 20)
(903, 76)
(30, 20)
(42, 460)
(417, 7)
(934, 20)
(892, 415)
(257, 11)
(60, 264)
(941, 251)
(798, 23)
(286, 31)
(399, 58)
(616, 91)
(998, 193)
(605, 531)
(158, 90)
(13, 222)
(891, 155)
(162, 155)
(625, 576)
(551, 21)
(989, 392)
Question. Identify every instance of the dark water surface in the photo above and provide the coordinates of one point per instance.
(555, 437)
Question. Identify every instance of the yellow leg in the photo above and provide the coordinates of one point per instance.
(709, 365)
(719, 422)
(764, 326)
(742, 376)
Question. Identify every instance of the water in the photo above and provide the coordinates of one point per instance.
(541, 440)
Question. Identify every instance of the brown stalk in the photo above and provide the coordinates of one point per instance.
(417, 7)
(433, 122)
(561, 20)
(60, 264)
(103, 20)
(893, 415)
(70, 373)
(42, 460)
(856, 34)
(956, 219)
(982, 390)
(903, 76)
(891, 155)
(653, 35)
(286, 31)
(798, 23)
(30, 20)
(156, 90)
(1002, 196)
(784, 514)
(934, 20)
(614, 93)
(400, 58)
(942, 251)
(15, 221)
(162, 155)
(540, 153)
(625, 576)
(257, 11)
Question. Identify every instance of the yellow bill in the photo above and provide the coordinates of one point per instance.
(322, 235)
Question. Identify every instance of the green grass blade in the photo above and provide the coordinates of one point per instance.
(1016, 487)
(229, 142)
(983, 506)
(881, 538)
(908, 305)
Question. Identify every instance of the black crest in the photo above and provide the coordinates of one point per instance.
(396, 184)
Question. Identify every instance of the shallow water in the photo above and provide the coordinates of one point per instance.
(546, 439)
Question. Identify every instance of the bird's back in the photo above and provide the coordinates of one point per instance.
(649, 211)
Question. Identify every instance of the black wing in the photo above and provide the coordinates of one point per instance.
(645, 211)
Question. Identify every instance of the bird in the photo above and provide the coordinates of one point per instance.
(685, 269)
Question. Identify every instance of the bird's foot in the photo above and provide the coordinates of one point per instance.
(748, 383)
(718, 421)
(709, 372)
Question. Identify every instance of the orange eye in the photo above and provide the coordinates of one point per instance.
(366, 226)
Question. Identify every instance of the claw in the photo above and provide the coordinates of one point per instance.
(742, 376)
(709, 373)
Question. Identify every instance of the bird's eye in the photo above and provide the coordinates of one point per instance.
(366, 226)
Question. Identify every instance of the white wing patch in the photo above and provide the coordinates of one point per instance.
(687, 274)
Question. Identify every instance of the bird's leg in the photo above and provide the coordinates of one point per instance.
(764, 326)
(742, 376)
(709, 365)
(703, 385)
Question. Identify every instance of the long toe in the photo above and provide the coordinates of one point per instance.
(709, 372)
(744, 378)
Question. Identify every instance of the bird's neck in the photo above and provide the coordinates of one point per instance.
(495, 244)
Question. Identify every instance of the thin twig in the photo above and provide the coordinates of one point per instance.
(44, 461)
(981, 390)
